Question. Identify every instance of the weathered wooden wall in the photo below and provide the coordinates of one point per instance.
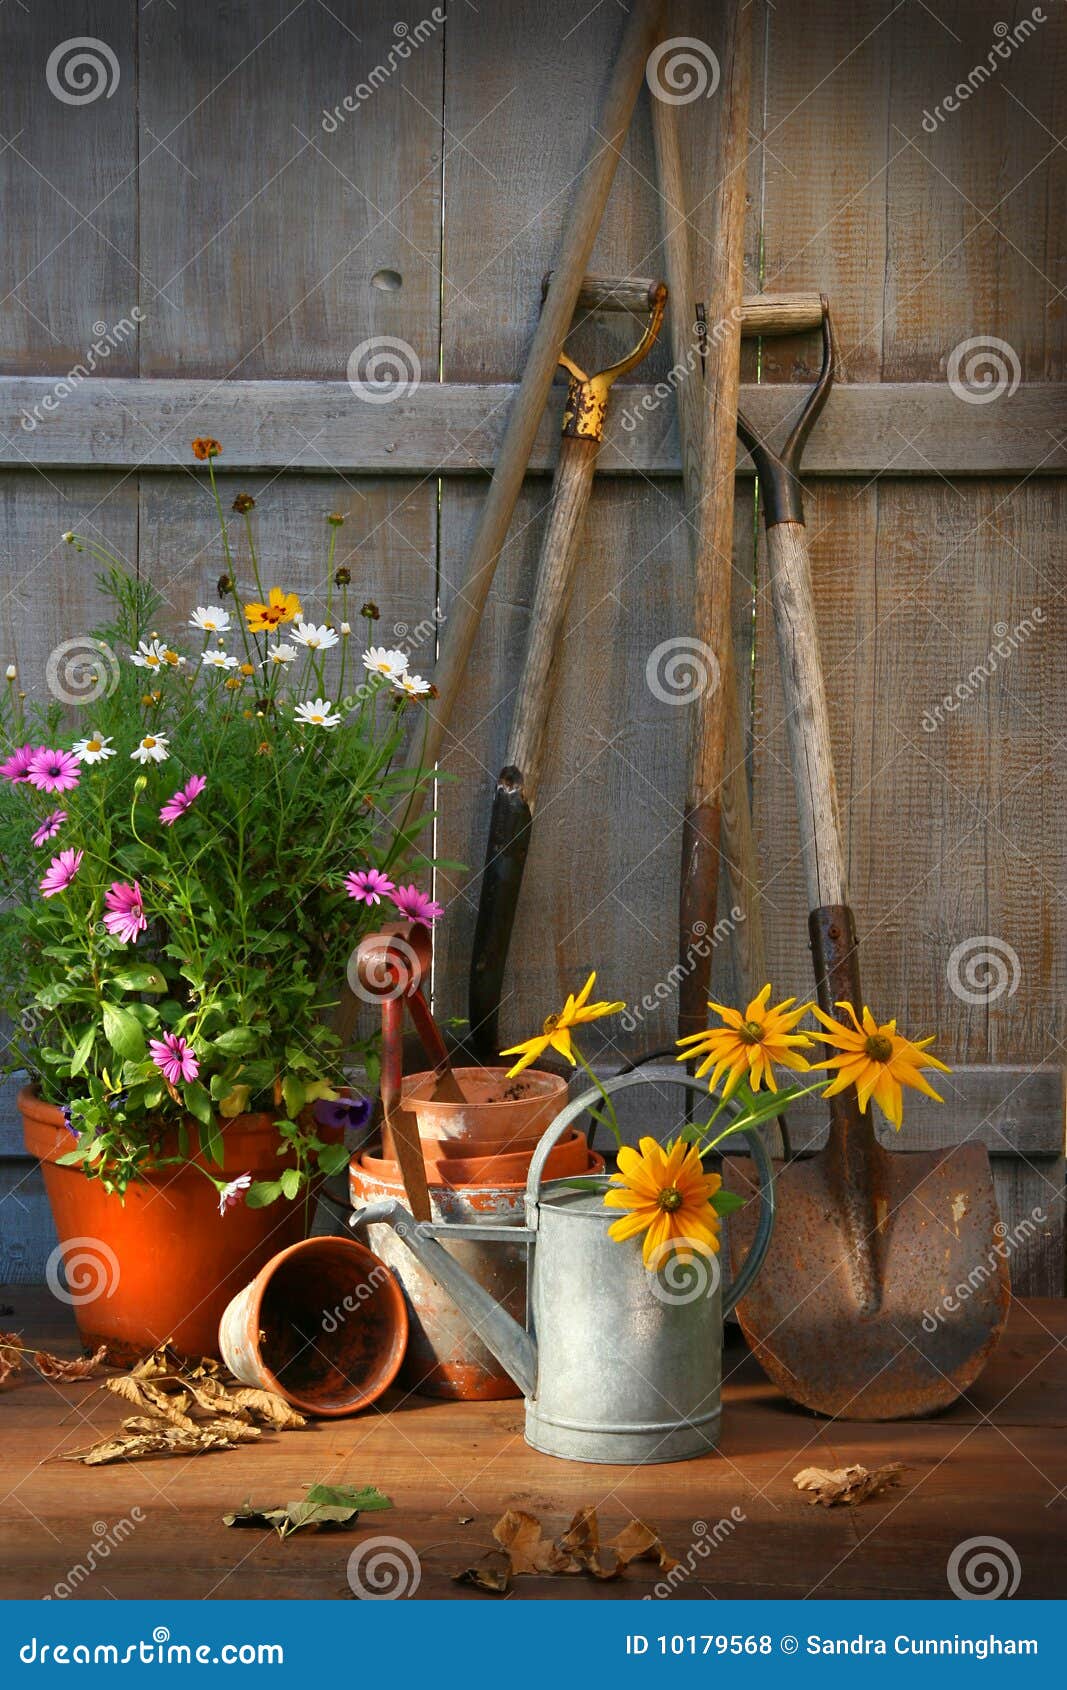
(260, 246)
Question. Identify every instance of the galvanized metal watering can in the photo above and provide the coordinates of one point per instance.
(617, 1363)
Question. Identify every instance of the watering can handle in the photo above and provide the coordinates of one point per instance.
(589, 1099)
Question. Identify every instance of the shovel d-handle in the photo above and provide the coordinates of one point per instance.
(623, 1082)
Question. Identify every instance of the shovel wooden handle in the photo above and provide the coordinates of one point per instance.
(761, 313)
(808, 715)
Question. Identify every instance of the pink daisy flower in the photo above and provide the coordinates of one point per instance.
(16, 768)
(180, 802)
(53, 771)
(125, 917)
(368, 885)
(174, 1057)
(49, 827)
(416, 905)
(230, 1195)
(60, 872)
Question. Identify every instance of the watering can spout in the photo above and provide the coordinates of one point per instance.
(513, 1347)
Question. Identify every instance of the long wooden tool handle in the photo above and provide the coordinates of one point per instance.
(401, 1122)
(571, 487)
(594, 185)
(715, 528)
(761, 313)
(741, 854)
(808, 716)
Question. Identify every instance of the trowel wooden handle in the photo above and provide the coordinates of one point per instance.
(761, 313)
(555, 579)
(808, 716)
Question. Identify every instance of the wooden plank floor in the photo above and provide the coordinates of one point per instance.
(993, 1466)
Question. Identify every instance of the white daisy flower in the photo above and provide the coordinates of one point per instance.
(280, 654)
(95, 749)
(151, 654)
(380, 660)
(152, 749)
(210, 619)
(346, 628)
(413, 685)
(319, 713)
(316, 639)
(220, 660)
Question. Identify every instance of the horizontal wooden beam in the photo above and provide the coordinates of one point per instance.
(892, 428)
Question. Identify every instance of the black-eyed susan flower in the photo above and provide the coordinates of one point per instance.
(556, 1031)
(668, 1196)
(749, 1043)
(878, 1061)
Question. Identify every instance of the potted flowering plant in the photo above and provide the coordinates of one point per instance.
(187, 870)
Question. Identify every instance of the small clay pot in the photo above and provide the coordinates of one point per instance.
(324, 1324)
(445, 1167)
(509, 1114)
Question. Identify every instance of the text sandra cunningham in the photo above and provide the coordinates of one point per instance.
(980, 1647)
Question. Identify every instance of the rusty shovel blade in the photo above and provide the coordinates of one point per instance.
(888, 1332)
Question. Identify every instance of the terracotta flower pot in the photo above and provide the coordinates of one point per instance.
(324, 1324)
(445, 1167)
(509, 1114)
(161, 1264)
(445, 1357)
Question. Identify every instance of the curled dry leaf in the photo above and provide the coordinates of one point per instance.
(10, 1355)
(526, 1549)
(78, 1367)
(329, 1507)
(142, 1435)
(830, 1486)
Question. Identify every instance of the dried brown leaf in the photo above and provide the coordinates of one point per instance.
(150, 1396)
(141, 1436)
(581, 1541)
(10, 1355)
(492, 1573)
(830, 1486)
(522, 1537)
(638, 1542)
(76, 1367)
(265, 1407)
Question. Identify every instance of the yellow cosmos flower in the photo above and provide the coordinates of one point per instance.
(557, 1028)
(669, 1196)
(280, 607)
(746, 1045)
(878, 1061)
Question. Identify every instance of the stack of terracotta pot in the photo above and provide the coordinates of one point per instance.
(477, 1156)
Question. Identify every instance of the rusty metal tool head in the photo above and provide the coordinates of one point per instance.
(855, 1313)
(391, 966)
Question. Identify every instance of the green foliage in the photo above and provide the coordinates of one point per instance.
(249, 928)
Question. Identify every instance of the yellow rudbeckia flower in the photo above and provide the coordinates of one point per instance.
(557, 1028)
(878, 1061)
(669, 1196)
(746, 1045)
(280, 607)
